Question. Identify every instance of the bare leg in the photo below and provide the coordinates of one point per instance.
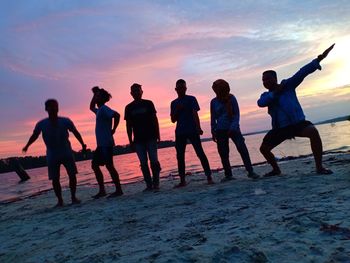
(58, 191)
(265, 150)
(73, 188)
(316, 146)
(100, 181)
(115, 177)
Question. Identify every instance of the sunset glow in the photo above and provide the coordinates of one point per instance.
(62, 49)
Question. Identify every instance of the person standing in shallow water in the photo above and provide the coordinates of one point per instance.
(54, 131)
(288, 119)
(104, 131)
(16, 166)
(142, 122)
(184, 111)
(224, 113)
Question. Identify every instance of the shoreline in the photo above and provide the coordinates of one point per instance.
(40, 161)
(169, 177)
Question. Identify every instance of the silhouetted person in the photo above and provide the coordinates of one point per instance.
(184, 111)
(104, 131)
(15, 166)
(288, 119)
(224, 113)
(54, 131)
(142, 122)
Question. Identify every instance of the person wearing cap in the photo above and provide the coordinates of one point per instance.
(184, 111)
(104, 131)
(143, 133)
(54, 130)
(288, 119)
(224, 113)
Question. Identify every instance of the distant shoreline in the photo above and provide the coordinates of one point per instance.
(31, 162)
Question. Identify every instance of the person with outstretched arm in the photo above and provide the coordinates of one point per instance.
(55, 134)
(107, 121)
(288, 119)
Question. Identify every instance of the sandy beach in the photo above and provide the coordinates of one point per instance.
(297, 217)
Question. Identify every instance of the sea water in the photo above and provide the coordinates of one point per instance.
(335, 136)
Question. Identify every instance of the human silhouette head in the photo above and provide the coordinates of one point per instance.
(181, 87)
(102, 96)
(269, 79)
(51, 106)
(136, 91)
(221, 89)
(95, 89)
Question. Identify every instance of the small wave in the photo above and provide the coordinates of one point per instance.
(345, 148)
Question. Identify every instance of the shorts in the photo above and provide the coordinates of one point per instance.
(53, 165)
(103, 156)
(278, 135)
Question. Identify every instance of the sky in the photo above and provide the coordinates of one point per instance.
(61, 49)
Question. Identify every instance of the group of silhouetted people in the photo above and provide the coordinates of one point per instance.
(288, 121)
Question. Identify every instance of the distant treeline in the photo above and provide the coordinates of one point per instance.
(29, 162)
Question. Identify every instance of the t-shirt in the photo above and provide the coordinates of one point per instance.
(140, 114)
(103, 128)
(55, 135)
(185, 122)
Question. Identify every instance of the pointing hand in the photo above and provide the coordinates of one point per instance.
(325, 53)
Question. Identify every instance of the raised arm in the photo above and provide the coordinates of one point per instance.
(93, 104)
(325, 53)
(311, 67)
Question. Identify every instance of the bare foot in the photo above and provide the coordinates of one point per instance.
(227, 178)
(272, 173)
(253, 175)
(182, 184)
(324, 171)
(99, 195)
(59, 204)
(147, 189)
(75, 201)
(115, 194)
(210, 181)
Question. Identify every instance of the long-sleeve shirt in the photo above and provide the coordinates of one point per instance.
(220, 119)
(284, 106)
